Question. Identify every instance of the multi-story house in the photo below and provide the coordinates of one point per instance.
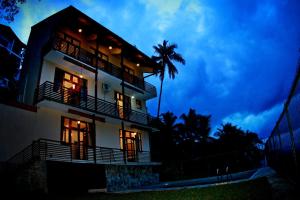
(89, 96)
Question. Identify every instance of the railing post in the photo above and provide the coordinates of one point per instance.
(46, 150)
(62, 92)
(32, 149)
(94, 139)
(71, 153)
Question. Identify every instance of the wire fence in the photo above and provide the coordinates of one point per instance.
(283, 146)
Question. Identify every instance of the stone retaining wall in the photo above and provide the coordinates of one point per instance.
(123, 177)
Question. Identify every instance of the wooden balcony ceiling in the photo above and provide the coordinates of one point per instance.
(92, 30)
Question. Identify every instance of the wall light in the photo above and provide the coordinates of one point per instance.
(137, 64)
(132, 97)
(110, 47)
(81, 76)
(79, 30)
(78, 122)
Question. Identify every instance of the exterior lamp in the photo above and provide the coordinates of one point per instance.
(137, 64)
(78, 122)
(132, 97)
(79, 30)
(110, 47)
(81, 76)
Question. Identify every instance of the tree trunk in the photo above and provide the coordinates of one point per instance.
(158, 108)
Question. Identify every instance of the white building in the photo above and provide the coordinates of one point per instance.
(87, 102)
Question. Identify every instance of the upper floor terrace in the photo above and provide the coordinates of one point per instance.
(63, 48)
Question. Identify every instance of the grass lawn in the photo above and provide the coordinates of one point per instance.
(254, 189)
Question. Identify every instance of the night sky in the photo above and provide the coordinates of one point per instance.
(241, 56)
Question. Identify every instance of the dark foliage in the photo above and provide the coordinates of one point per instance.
(187, 150)
(9, 8)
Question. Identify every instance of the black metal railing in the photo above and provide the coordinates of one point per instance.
(45, 149)
(60, 94)
(91, 59)
(283, 145)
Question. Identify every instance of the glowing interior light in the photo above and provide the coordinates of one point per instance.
(73, 86)
(132, 97)
(78, 122)
(81, 76)
(110, 47)
(138, 64)
(79, 30)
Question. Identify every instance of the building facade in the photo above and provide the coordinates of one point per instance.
(87, 98)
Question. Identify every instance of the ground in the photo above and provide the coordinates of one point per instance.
(248, 190)
(265, 184)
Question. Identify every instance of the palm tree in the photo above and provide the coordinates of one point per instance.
(195, 126)
(168, 129)
(165, 55)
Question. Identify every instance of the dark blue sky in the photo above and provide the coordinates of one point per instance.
(241, 56)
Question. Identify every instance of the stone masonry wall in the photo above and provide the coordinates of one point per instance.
(124, 177)
(32, 178)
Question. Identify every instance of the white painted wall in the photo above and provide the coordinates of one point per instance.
(48, 72)
(18, 128)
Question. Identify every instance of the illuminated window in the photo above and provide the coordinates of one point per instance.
(133, 141)
(75, 79)
(76, 133)
(129, 71)
(67, 76)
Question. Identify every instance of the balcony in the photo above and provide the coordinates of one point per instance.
(51, 150)
(54, 92)
(91, 59)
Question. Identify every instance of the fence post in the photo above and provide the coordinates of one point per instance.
(292, 138)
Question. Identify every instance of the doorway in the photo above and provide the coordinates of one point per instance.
(131, 146)
(77, 134)
(124, 114)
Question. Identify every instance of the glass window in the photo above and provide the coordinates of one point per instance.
(129, 71)
(133, 140)
(75, 79)
(67, 76)
(74, 132)
(138, 104)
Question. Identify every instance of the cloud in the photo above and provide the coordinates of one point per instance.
(30, 14)
(261, 123)
(163, 8)
(163, 12)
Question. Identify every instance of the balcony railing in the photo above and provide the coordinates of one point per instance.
(60, 94)
(91, 59)
(44, 149)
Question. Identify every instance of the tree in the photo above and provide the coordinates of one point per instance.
(242, 145)
(193, 132)
(165, 56)
(195, 127)
(168, 132)
(163, 142)
(9, 8)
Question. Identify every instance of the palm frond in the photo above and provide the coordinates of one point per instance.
(171, 69)
(177, 57)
